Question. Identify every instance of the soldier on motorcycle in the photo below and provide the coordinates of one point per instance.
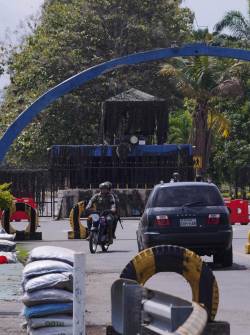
(104, 200)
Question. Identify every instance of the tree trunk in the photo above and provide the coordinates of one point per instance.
(200, 133)
(208, 146)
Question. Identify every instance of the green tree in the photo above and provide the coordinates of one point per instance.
(180, 125)
(70, 37)
(233, 153)
(203, 79)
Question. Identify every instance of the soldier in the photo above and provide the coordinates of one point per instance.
(175, 177)
(198, 177)
(104, 200)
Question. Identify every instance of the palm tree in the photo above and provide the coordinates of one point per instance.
(237, 24)
(203, 79)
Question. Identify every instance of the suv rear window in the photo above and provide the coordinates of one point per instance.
(187, 195)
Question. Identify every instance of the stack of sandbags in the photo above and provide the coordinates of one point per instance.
(48, 286)
(7, 248)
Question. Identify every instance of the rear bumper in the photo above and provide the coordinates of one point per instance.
(202, 243)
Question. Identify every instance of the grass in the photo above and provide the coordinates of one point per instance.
(22, 254)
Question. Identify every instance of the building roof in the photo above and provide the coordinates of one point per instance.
(134, 95)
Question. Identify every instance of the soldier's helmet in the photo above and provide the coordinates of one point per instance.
(109, 184)
(103, 186)
(176, 176)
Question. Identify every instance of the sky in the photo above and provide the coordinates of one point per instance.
(13, 12)
(209, 12)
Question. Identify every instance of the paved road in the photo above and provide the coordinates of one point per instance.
(103, 269)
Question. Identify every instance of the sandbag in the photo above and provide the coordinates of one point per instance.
(51, 331)
(46, 296)
(6, 245)
(7, 237)
(52, 280)
(10, 256)
(38, 268)
(52, 253)
(50, 321)
(48, 309)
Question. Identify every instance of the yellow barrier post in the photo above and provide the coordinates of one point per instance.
(78, 230)
(247, 246)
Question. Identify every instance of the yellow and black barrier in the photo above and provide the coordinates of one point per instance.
(167, 258)
(247, 246)
(78, 229)
(30, 232)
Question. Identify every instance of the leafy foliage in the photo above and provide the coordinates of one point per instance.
(229, 155)
(180, 124)
(22, 254)
(6, 197)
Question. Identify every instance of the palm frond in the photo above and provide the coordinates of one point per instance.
(170, 71)
(238, 68)
(234, 21)
(177, 76)
(219, 123)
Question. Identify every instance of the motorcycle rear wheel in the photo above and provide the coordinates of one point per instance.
(93, 241)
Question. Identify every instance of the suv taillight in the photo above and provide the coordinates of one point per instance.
(162, 220)
(213, 219)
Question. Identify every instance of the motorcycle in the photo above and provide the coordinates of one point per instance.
(101, 231)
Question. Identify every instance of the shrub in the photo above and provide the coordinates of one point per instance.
(6, 197)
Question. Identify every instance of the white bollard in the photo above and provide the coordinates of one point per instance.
(79, 294)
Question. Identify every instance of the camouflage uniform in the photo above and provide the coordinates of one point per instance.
(102, 202)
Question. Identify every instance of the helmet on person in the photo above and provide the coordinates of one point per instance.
(176, 176)
(109, 184)
(104, 186)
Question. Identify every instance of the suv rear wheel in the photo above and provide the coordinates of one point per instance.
(224, 258)
(228, 257)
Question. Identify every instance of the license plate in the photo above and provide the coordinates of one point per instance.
(188, 222)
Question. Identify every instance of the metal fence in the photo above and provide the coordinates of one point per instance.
(47, 208)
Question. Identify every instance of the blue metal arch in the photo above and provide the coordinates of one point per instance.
(83, 77)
